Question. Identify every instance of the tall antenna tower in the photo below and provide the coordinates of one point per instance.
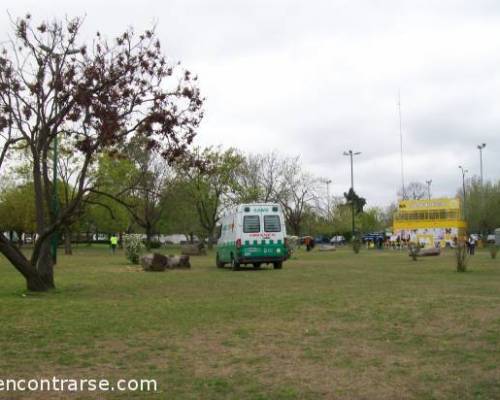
(401, 147)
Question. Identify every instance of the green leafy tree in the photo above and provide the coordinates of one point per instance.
(341, 216)
(371, 220)
(102, 213)
(146, 196)
(17, 209)
(315, 223)
(213, 184)
(482, 206)
(181, 214)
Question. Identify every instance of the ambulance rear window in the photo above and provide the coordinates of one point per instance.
(272, 223)
(251, 224)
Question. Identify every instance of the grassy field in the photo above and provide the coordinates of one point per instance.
(328, 326)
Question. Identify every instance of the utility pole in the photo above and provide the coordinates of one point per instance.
(480, 148)
(351, 155)
(401, 147)
(328, 181)
(464, 171)
(429, 182)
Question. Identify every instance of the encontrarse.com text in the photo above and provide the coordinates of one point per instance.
(56, 384)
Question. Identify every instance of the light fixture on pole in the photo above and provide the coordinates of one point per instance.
(429, 182)
(480, 147)
(351, 155)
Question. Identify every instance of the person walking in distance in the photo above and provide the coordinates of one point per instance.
(113, 241)
(472, 245)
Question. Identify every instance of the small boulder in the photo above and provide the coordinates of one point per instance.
(178, 262)
(154, 262)
(193, 249)
(429, 251)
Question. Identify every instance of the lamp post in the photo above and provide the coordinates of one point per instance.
(464, 171)
(55, 202)
(351, 155)
(55, 198)
(480, 147)
(429, 182)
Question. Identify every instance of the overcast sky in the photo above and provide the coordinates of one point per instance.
(315, 78)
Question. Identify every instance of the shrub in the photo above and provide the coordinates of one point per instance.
(133, 246)
(291, 243)
(461, 256)
(493, 251)
(414, 251)
(154, 244)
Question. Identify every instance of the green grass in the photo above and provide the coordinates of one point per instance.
(329, 325)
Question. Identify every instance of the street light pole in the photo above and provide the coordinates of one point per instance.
(351, 155)
(55, 198)
(464, 171)
(480, 148)
(55, 201)
(429, 188)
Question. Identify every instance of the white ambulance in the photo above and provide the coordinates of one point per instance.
(252, 234)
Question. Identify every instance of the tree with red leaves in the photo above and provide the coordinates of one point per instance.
(96, 98)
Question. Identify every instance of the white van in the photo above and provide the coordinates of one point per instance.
(252, 234)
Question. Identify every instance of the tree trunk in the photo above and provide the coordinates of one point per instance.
(45, 266)
(19, 239)
(67, 241)
(210, 241)
(34, 282)
(149, 234)
(295, 225)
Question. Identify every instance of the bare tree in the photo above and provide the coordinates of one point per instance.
(260, 176)
(295, 190)
(271, 178)
(96, 98)
(414, 191)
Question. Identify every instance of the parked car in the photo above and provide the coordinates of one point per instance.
(338, 240)
(321, 240)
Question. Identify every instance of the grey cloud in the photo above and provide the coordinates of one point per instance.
(318, 77)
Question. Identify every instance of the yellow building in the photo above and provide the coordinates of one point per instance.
(431, 222)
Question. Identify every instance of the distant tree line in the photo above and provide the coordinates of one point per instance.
(137, 191)
(481, 205)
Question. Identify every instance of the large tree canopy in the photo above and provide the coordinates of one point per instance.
(95, 98)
